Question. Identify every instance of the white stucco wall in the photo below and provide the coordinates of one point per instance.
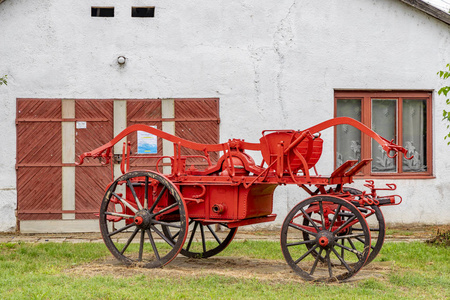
(273, 64)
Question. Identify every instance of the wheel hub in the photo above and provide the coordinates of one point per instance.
(143, 219)
(325, 238)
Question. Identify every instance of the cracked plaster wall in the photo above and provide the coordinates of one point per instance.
(273, 64)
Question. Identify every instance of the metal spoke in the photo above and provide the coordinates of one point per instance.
(214, 234)
(166, 224)
(162, 235)
(192, 236)
(335, 216)
(133, 192)
(351, 243)
(362, 241)
(129, 240)
(157, 199)
(165, 209)
(309, 219)
(121, 229)
(141, 245)
(330, 270)
(348, 249)
(341, 259)
(315, 262)
(302, 229)
(300, 243)
(306, 254)
(152, 241)
(118, 215)
(321, 215)
(355, 235)
(202, 232)
(146, 193)
(125, 202)
(345, 224)
(176, 234)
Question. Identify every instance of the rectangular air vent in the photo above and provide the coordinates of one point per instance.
(102, 12)
(143, 12)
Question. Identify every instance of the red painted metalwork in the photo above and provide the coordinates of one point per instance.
(236, 191)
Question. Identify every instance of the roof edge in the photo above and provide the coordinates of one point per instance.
(429, 10)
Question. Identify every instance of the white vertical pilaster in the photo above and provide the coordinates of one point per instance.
(120, 123)
(68, 157)
(168, 112)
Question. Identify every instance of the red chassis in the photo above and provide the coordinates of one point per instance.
(324, 237)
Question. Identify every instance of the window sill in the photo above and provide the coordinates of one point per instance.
(395, 176)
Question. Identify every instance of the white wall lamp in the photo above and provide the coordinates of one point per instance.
(121, 60)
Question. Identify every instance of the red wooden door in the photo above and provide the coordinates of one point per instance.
(43, 140)
(38, 161)
(92, 177)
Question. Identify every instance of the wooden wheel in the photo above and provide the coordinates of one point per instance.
(319, 256)
(135, 209)
(377, 231)
(203, 240)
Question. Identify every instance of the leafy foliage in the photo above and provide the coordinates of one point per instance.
(3, 80)
(445, 90)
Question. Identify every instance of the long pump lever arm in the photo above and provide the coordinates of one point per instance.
(386, 144)
(102, 151)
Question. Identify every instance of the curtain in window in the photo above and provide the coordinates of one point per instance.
(384, 120)
(415, 135)
(348, 138)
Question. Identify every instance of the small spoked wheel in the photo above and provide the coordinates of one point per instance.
(135, 209)
(204, 240)
(313, 248)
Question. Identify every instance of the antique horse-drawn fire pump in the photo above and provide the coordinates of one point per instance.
(196, 212)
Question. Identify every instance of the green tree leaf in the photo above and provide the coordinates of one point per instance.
(445, 90)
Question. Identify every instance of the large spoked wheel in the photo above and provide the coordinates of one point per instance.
(135, 209)
(319, 256)
(377, 231)
(204, 240)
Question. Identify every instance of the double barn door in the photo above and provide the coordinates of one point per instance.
(55, 195)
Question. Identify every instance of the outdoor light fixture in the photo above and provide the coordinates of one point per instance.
(121, 60)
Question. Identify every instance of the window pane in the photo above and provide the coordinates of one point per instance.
(384, 120)
(415, 135)
(348, 138)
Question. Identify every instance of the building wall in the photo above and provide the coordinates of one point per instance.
(273, 64)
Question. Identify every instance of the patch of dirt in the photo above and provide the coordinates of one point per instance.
(400, 232)
(275, 271)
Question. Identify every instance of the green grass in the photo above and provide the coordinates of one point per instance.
(39, 271)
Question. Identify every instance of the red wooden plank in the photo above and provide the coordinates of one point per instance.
(39, 189)
(144, 112)
(91, 178)
(206, 132)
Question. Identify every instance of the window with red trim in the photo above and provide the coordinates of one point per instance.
(404, 117)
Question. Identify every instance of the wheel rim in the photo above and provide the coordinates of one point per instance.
(134, 211)
(319, 256)
(204, 241)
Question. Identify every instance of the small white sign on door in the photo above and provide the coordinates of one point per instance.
(81, 124)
